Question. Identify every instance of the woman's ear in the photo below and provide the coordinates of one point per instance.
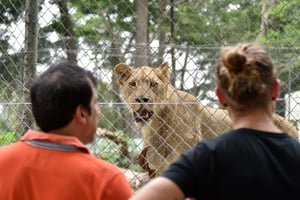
(275, 89)
(221, 97)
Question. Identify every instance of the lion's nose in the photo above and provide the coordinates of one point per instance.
(142, 100)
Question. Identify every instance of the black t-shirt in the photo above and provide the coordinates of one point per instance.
(242, 164)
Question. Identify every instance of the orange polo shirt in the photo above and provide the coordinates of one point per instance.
(52, 167)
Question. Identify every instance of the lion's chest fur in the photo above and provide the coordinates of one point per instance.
(174, 128)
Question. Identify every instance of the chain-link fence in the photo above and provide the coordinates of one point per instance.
(102, 33)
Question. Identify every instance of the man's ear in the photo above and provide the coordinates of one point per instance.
(80, 114)
(221, 97)
(275, 89)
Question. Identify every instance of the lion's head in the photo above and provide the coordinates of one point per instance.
(143, 88)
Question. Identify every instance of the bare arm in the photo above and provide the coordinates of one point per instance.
(159, 188)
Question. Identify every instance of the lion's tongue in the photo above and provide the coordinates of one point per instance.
(143, 112)
(142, 115)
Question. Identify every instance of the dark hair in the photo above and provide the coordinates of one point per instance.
(246, 73)
(58, 91)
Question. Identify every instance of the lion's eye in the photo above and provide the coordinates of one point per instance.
(132, 84)
(153, 84)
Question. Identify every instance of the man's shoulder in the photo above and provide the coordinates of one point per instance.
(10, 148)
(95, 164)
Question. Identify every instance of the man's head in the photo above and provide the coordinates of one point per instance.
(61, 93)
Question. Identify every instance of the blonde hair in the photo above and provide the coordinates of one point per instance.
(246, 74)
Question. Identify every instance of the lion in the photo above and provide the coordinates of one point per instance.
(171, 121)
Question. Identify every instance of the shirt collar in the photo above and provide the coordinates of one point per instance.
(59, 139)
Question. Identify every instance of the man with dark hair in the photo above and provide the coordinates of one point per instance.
(54, 163)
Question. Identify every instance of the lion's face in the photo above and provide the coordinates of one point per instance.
(143, 88)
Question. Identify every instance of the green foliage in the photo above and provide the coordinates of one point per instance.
(10, 69)
(284, 24)
(295, 122)
(101, 20)
(289, 75)
(110, 113)
(8, 138)
(203, 23)
(282, 36)
(10, 10)
(57, 26)
(208, 26)
(10, 62)
(106, 149)
(9, 119)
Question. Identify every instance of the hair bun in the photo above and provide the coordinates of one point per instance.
(233, 59)
(245, 71)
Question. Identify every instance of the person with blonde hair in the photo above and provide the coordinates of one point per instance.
(256, 160)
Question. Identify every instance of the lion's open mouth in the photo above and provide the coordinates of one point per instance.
(142, 114)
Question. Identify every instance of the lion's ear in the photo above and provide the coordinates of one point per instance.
(164, 68)
(123, 72)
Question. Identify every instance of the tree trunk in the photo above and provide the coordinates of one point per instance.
(264, 19)
(264, 23)
(172, 42)
(70, 40)
(30, 58)
(141, 33)
(161, 31)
